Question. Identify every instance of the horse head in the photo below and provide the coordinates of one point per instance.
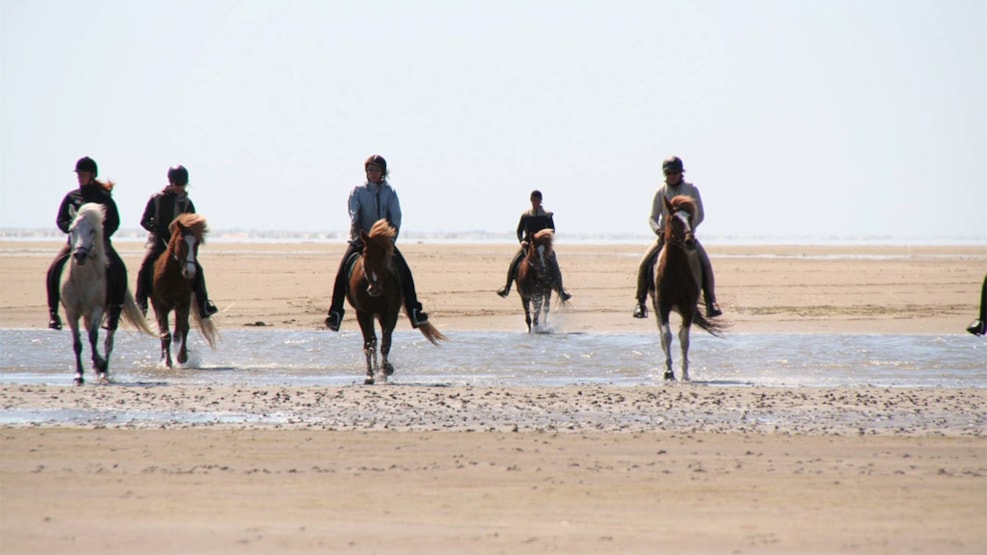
(86, 232)
(187, 233)
(378, 251)
(678, 224)
(540, 248)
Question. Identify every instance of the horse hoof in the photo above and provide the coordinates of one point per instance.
(79, 380)
(104, 378)
(368, 381)
(669, 377)
(388, 368)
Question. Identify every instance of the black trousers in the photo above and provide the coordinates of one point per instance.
(342, 279)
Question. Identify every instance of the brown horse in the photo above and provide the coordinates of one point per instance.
(535, 280)
(174, 271)
(678, 282)
(375, 292)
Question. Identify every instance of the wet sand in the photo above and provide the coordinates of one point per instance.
(582, 469)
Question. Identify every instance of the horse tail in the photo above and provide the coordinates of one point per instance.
(134, 316)
(206, 326)
(432, 333)
(712, 327)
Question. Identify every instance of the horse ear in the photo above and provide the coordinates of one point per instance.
(668, 203)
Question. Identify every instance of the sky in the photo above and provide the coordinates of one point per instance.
(811, 119)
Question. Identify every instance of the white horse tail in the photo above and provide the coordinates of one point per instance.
(206, 326)
(132, 314)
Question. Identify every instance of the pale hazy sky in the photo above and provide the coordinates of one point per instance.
(805, 118)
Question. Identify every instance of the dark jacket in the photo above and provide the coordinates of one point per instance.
(89, 193)
(162, 209)
(531, 223)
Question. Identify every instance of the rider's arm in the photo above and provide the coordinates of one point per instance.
(520, 228)
(112, 221)
(394, 213)
(64, 218)
(700, 214)
(148, 219)
(657, 210)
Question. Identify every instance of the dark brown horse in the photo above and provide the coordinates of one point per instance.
(535, 279)
(678, 282)
(174, 271)
(375, 292)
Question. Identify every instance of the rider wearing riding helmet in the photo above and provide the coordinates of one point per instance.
(90, 190)
(531, 222)
(162, 208)
(372, 201)
(674, 185)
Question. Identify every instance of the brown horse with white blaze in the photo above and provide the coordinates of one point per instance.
(535, 280)
(678, 283)
(375, 293)
(174, 271)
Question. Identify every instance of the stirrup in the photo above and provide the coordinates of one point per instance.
(504, 291)
(713, 309)
(208, 309)
(977, 327)
(640, 311)
(334, 320)
(54, 321)
(564, 295)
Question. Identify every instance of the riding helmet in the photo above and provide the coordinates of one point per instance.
(672, 164)
(178, 175)
(376, 160)
(86, 164)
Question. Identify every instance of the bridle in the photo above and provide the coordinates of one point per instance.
(680, 234)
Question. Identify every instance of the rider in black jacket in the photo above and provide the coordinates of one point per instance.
(531, 222)
(162, 208)
(90, 190)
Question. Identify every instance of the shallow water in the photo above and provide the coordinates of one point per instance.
(269, 357)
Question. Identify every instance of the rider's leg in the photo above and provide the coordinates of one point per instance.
(335, 318)
(979, 326)
(511, 273)
(557, 272)
(116, 288)
(645, 278)
(53, 282)
(206, 308)
(145, 276)
(411, 303)
(709, 285)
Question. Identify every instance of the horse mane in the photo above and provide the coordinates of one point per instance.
(545, 237)
(683, 202)
(194, 223)
(382, 234)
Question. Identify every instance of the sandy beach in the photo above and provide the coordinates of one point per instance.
(587, 469)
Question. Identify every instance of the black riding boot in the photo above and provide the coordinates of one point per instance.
(559, 287)
(206, 308)
(511, 274)
(411, 304)
(709, 291)
(336, 311)
(52, 282)
(116, 288)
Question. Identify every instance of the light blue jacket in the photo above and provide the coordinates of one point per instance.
(370, 202)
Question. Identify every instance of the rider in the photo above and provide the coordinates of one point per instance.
(90, 190)
(368, 203)
(674, 185)
(531, 222)
(162, 208)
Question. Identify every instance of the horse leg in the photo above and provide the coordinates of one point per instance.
(181, 334)
(385, 349)
(161, 316)
(99, 363)
(684, 345)
(104, 376)
(525, 301)
(536, 303)
(369, 344)
(665, 332)
(547, 306)
(77, 347)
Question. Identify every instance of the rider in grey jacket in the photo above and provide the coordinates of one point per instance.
(368, 203)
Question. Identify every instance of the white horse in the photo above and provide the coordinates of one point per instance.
(84, 290)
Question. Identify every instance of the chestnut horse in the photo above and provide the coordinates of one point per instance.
(375, 292)
(678, 282)
(84, 291)
(535, 280)
(171, 288)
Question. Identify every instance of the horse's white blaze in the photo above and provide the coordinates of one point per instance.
(684, 217)
(190, 257)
